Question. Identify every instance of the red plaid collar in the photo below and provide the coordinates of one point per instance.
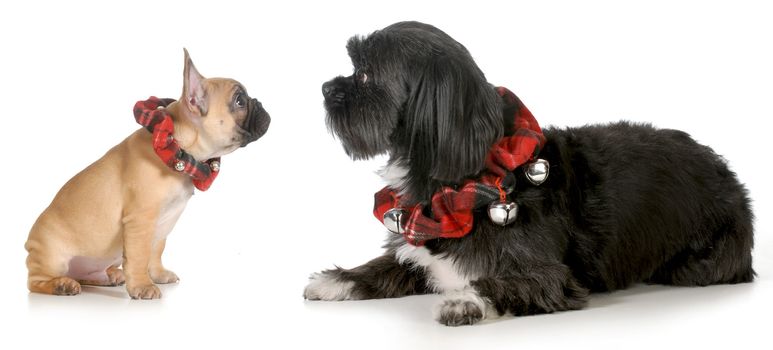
(152, 114)
(452, 209)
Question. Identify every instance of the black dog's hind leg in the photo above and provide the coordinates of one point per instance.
(727, 259)
(539, 289)
(382, 277)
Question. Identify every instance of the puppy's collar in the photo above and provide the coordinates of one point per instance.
(452, 209)
(152, 114)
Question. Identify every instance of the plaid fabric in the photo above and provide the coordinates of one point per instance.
(153, 115)
(452, 209)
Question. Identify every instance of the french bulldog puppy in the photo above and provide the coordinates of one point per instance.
(108, 225)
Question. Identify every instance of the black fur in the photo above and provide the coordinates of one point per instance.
(424, 101)
(624, 203)
(382, 277)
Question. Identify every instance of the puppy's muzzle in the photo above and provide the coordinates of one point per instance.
(256, 124)
(333, 94)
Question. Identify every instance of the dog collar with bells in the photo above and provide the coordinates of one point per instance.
(452, 209)
(152, 114)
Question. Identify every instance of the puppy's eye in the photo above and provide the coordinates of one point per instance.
(239, 101)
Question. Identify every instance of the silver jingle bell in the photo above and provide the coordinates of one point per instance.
(214, 165)
(395, 219)
(179, 166)
(502, 214)
(537, 171)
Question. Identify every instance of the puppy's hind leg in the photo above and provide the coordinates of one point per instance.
(47, 274)
(55, 286)
(382, 277)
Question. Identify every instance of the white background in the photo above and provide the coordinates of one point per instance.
(293, 203)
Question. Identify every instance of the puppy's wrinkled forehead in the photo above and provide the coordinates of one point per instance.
(223, 86)
(223, 89)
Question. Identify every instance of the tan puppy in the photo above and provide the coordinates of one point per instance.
(119, 210)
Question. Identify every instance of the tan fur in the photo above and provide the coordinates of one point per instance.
(119, 210)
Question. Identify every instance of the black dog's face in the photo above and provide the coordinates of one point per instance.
(418, 95)
(363, 108)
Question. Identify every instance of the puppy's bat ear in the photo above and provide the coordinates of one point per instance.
(456, 116)
(194, 94)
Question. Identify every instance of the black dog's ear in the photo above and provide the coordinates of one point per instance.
(353, 47)
(454, 116)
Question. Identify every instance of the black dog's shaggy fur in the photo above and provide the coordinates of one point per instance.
(624, 203)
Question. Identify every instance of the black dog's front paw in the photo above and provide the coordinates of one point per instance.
(461, 309)
(327, 285)
(459, 313)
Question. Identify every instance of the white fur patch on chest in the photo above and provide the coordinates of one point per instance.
(394, 175)
(442, 274)
(171, 211)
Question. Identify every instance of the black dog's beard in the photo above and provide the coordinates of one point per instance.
(364, 144)
(363, 122)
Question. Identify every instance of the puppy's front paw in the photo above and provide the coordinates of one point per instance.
(461, 308)
(147, 291)
(115, 277)
(164, 277)
(326, 286)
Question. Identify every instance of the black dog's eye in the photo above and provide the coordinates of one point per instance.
(239, 101)
(360, 76)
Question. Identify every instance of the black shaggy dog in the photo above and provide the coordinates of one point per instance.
(623, 203)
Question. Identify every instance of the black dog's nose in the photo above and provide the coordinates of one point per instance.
(328, 89)
(333, 91)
